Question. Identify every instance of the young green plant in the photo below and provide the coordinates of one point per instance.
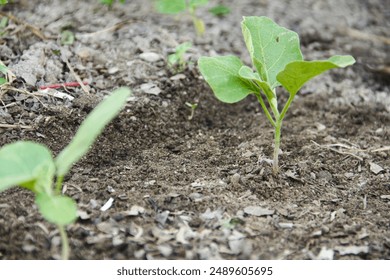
(175, 7)
(3, 26)
(3, 71)
(220, 10)
(193, 107)
(176, 61)
(31, 165)
(109, 3)
(278, 61)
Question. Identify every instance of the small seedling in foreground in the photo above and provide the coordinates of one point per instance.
(193, 107)
(177, 60)
(277, 58)
(175, 7)
(31, 165)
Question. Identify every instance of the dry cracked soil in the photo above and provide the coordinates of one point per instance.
(200, 188)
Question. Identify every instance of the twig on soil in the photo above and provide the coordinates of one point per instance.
(77, 77)
(383, 149)
(5, 125)
(8, 105)
(330, 147)
(113, 28)
(33, 94)
(35, 30)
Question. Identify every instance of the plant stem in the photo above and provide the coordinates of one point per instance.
(286, 106)
(64, 242)
(59, 184)
(278, 126)
(275, 164)
(265, 109)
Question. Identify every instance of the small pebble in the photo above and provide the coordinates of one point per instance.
(150, 88)
(150, 56)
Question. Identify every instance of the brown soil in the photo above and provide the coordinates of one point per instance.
(202, 188)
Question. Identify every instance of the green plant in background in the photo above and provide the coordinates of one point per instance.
(67, 37)
(31, 165)
(174, 7)
(3, 70)
(177, 60)
(276, 56)
(3, 2)
(3, 26)
(220, 10)
(110, 2)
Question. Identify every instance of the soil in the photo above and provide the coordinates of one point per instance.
(201, 188)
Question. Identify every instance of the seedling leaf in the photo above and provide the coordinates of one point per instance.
(297, 73)
(197, 3)
(247, 73)
(220, 10)
(60, 210)
(170, 6)
(271, 46)
(26, 164)
(90, 129)
(222, 74)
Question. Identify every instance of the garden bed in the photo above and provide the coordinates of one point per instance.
(201, 188)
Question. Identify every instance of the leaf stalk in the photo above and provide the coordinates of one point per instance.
(65, 252)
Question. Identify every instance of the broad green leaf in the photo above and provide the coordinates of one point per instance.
(2, 81)
(297, 73)
(90, 129)
(170, 6)
(60, 210)
(26, 164)
(271, 47)
(222, 74)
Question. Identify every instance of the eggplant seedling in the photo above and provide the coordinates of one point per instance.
(176, 61)
(276, 56)
(175, 7)
(31, 165)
